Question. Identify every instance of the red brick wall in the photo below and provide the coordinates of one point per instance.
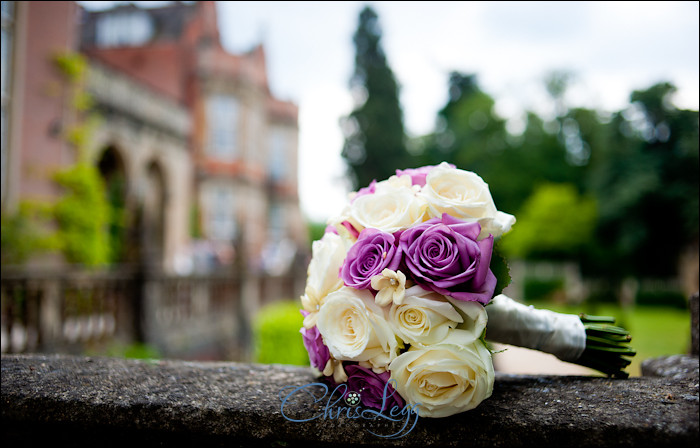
(50, 28)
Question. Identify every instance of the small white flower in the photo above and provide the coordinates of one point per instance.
(391, 286)
(335, 368)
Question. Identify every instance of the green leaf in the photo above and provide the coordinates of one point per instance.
(500, 268)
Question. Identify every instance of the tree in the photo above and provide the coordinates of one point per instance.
(471, 135)
(646, 180)
(374, 132)
(555, 223)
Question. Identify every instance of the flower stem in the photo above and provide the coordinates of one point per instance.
(606, 346)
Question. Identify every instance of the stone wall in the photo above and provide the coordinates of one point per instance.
(110, 402)
(79, 401)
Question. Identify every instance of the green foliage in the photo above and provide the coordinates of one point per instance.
(631, 204)
(130, 351)
(555, 222)
(195, 224)
(374, 132)
(72, 65)
(500, 269)
(316, 231)
(646, 178)
(78, 224)
(83, 216)
(639, 164)
(471, 135)
(277, 337)
(539, 289)
(80, 218)
(25, 233)
(79, 135)
(663, 298)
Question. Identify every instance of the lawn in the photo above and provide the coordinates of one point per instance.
(656, 331)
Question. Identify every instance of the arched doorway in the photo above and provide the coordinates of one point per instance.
(113, 170)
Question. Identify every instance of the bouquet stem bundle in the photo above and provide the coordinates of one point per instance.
(607, 346)
(590, 341)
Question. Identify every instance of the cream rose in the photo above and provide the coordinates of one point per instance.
(327, 255)
(354, 328)
(423, 316)
(445, 378)
(464, 195)
(474, 319)
(395, 182)
(390, 208)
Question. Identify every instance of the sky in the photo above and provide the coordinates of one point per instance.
(611, 48)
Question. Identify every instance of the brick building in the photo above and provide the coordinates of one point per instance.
(203, 155)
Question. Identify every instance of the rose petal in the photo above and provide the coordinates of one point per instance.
(486, 250)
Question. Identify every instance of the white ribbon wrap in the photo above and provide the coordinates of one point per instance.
(510, 322)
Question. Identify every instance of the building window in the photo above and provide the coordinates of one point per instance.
(222, 122)
(123, 29)
(276, 222)
(5, 74)
(277, 163)
(255, 153)
(220, 218)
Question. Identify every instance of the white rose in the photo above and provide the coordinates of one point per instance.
(389, 209)
(337, 223)
(327, 256)
(395, 182)
(423, 316)
(474, 319)
(464, 195)
(354, 329)
(445, 378)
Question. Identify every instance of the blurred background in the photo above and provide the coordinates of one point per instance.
(166, 165)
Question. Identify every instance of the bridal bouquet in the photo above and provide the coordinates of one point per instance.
(403, 289)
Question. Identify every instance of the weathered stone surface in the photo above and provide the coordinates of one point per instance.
(78, 401)
(676, 367)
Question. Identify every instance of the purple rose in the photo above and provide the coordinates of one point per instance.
(443, 255)
(373, 252)
(318, 352)
(418, 175)
(371, 387)
(366, 190)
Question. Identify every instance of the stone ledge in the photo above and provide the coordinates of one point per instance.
(77, 401)
(676, 367)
